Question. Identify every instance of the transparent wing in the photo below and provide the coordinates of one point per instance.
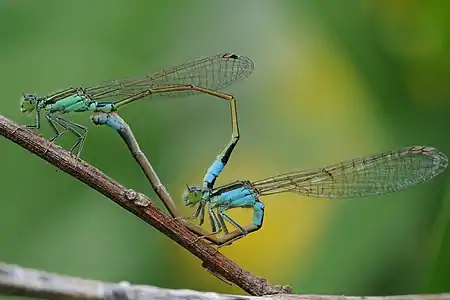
(214, 72)
(365, 176)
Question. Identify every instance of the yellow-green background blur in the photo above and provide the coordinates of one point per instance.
(332, 80)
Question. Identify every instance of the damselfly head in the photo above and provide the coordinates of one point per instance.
(192, 195)
(28, 103)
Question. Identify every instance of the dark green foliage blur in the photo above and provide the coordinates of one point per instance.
(332, 80)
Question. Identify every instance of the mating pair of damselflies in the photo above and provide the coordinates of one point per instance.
(377, 174)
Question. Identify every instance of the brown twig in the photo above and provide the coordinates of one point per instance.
(140, 206)
(24, 282)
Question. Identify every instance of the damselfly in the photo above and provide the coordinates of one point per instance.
(206, 75)
(378, 174)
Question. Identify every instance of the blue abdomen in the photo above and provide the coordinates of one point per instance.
(212, 173)
(107, 119)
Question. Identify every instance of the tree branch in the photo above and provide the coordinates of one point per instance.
(141, 206)
(18, 281)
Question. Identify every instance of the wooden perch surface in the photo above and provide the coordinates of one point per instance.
(18, 281)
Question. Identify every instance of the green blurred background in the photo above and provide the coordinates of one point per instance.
(332, 80)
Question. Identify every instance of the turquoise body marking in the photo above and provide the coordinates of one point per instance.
(106, 119)
(212, 173)
(238, 197)
(105, 107)
(80, 106)
(241, 195)
(258, 216)
(63, 104)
